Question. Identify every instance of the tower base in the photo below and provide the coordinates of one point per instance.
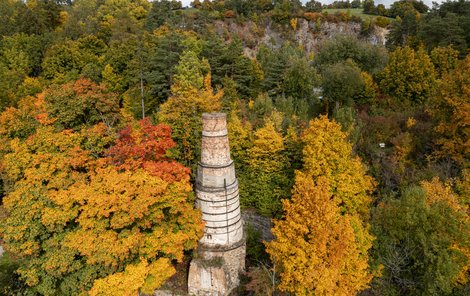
(215, 272)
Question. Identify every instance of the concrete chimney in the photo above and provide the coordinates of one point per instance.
(221, 251)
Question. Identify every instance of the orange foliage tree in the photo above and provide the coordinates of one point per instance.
(84, 217)
(316, 247)
(81, 103)
(322, 244)
(72, 105)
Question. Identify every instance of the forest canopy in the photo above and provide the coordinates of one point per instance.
(349, 126)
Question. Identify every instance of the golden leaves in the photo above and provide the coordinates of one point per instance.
(450, 107)
(327, 153)
(145, 275)
(108, 207)
(266, 151)
(438, 192)
(316, 246)
(322, 243)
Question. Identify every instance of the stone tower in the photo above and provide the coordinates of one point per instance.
(221, 251)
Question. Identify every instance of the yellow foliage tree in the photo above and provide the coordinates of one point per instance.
(327, 153)
(264, 181)
(266, 153)
(444, 59)
(322, 243)
(129, 281)
(409, 75)
(239, 134)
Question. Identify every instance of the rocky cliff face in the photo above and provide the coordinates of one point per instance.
(310, 35)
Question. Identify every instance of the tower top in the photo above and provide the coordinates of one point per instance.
(215, 147)
(213, 115)
(214, 124)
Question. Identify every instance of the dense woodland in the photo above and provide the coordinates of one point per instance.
(359, 151)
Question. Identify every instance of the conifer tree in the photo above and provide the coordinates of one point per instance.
(192, 95)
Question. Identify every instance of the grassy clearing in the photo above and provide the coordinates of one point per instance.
(353, 11)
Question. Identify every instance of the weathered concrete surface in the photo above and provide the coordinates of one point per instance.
(217, 186)
(216, 273)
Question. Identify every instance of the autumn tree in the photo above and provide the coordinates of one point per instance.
(316, 247)
(444, 59)
(450, 107)
(327, 153)
(409, 76)
(423, 241)
(323, 241)
(240, 139)
(22, 121)
(265, 182)
(83, 217)
(81, 103)
(148, 147)
(368, 94)
(120, 19)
